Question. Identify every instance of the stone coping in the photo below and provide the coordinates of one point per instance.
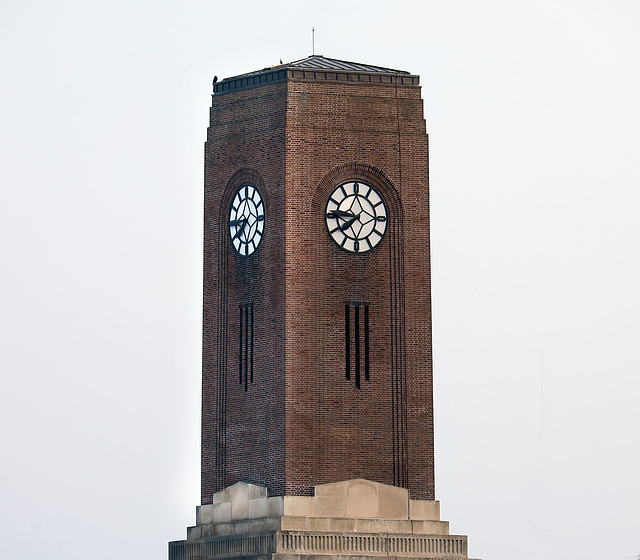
(318, 524)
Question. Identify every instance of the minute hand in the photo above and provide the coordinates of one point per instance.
(340, 214)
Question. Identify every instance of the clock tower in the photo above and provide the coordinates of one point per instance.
(317, 399)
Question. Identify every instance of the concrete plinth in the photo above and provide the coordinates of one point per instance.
(350, 520)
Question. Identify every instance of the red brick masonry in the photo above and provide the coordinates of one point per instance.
(300, 422)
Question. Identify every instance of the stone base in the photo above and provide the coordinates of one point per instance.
(350, 520)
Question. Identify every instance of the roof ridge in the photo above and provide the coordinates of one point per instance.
(318, 61)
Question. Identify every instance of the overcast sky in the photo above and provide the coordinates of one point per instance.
(534, 122)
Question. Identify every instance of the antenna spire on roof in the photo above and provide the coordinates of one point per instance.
(313, 41)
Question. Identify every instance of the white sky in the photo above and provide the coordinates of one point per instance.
(534, 120)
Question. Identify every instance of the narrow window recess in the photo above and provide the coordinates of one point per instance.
(357, 341)
(245, 345)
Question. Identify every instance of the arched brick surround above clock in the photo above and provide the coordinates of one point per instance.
(355, 171)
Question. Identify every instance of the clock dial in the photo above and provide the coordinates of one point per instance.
(356, 217)
(246, 220)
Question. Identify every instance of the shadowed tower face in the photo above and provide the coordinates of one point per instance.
(317, 310)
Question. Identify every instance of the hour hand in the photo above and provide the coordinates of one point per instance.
(240, 223)
(347, 224)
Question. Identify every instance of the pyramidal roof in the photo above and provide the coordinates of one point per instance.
(318, 62)
(317, 67)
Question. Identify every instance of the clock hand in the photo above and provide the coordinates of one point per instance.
(240, 229)
(340, 214)
(348, 223)
(236, 222)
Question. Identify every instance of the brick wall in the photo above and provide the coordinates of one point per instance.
(301, 422)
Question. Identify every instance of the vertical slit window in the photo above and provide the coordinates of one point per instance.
(366, 343)
(240, 345)
(347, 334)
(251, 354)
(245, 345)
(246, 348)
(356, 331)
(357, 341)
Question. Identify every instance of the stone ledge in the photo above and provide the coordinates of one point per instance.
(365, 526)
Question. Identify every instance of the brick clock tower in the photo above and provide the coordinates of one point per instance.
(317, 392)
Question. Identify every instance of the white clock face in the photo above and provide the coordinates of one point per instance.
(246, 220)
(356, 217)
